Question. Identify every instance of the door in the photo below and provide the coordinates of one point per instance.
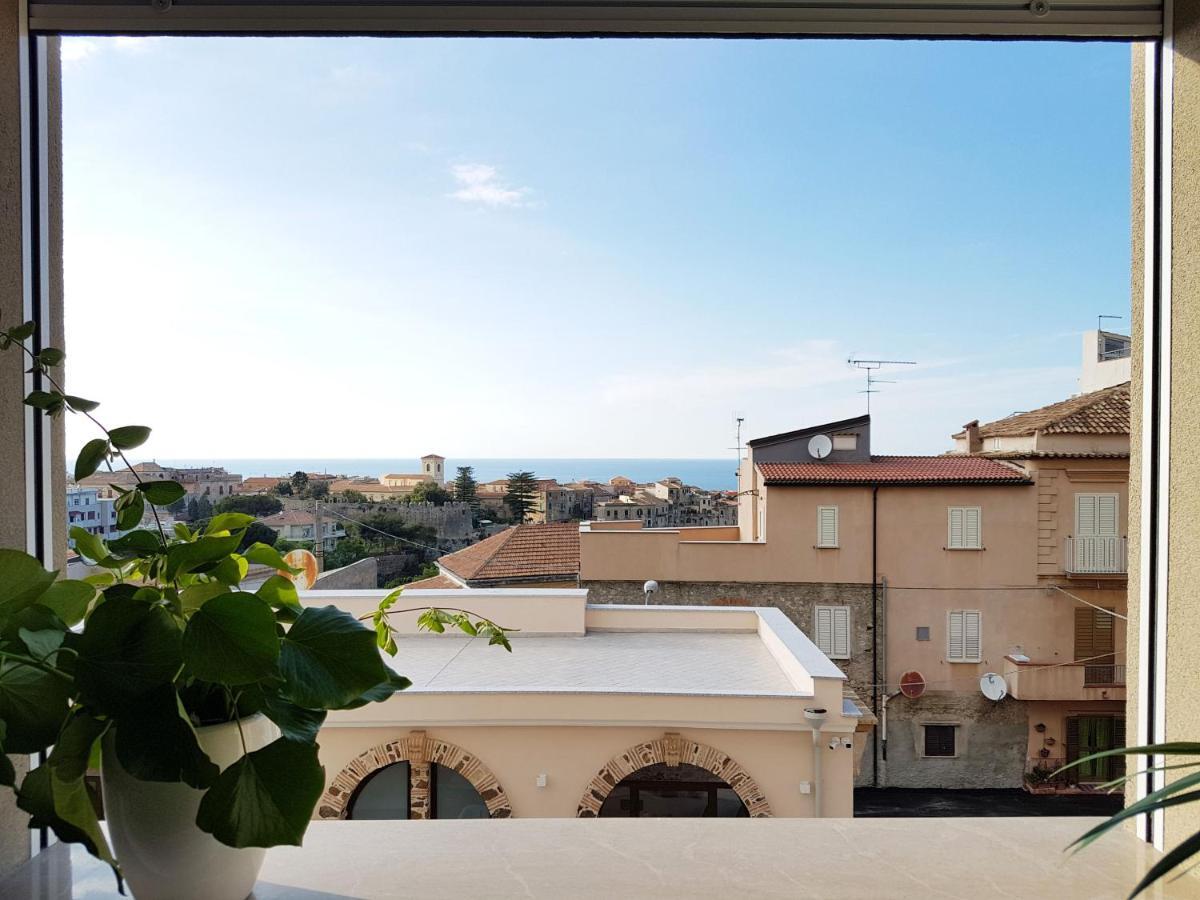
(1097, 543)
(1094, 734)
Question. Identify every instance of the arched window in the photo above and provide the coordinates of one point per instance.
(682, 791)
(386, 794)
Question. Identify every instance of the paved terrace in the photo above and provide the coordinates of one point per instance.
(829, 859)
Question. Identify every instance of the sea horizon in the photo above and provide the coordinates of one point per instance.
(711, 474)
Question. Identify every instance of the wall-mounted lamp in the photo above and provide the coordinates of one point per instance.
(1039, 727)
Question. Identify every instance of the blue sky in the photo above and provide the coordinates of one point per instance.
(501, 248)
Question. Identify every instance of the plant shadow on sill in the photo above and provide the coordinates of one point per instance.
(265, 890)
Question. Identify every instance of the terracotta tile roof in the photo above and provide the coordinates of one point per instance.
(521, 552)
(896, 470)
(1099, 412)
(1051, 454)
(437, 582)
(288, 517)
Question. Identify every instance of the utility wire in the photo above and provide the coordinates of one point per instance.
(394, 537)
(975, 680)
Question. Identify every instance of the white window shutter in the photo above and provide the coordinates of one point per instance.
(1106, 514)
(971, 533)
(1085, 515)
(954, 649)
(956, 527)
(972, 637)
(824, 629)
(827, 526)
(841, 632)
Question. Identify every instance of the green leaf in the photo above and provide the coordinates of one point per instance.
(328, 659)
(22, 331)
(229, 571)
(155, 741)
(88, 545)
(127, 437)
(51, 356)
(33, 705)
(130, 508)
(230, 521)
(69, 600)
(266, 798)
(295, 722)
(379, 692)
(22, 581)
(267, 556)
(139, 541)
(91, 458)
(42, 642)
(46, 401)
(280, 592)
(127, 649)
(66, 808)
(72, 751)
(196, 595)
(79, 404)
(184, 558)
(1186, 850)
(231, 640)
(162, 493)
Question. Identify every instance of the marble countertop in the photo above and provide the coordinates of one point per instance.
(613, 859)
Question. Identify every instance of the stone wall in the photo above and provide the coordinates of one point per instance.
(451, 521)
(794, 599)
(991, 742)
(361, 575)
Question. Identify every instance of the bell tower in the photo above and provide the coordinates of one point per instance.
(433, 468)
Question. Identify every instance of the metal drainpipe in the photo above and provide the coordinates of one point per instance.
(874, 632)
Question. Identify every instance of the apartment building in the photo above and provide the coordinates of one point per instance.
(300, 526)
(933, 572)
(86, 509)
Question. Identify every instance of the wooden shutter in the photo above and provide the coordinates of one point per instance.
(1085, 515)
(1106, 515)
(1072, 738)
(971, 531)
(827, 526)
(972, 637)
(1093, 635)
(841, 632)
(1117, 763)
(965, 642)
(824, 629)
(954, 649)
(957, 527)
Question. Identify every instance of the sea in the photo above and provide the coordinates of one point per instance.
(711, 474)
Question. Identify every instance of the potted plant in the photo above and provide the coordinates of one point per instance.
(199, 701)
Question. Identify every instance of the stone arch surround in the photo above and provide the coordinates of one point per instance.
(420, 751)
(673, 750)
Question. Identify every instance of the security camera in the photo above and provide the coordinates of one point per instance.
(835, 743)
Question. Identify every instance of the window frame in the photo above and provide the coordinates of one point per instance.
(954, 742)
(965, 510)
(834, 610)
(964, 659)
(837, 533)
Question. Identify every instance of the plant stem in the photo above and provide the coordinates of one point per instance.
(391, 612)
(21, 659)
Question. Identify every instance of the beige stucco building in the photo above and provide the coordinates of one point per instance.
(598, 711)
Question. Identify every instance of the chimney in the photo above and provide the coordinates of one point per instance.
(974, 442)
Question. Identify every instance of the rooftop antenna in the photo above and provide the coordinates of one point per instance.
(1100, 321)
(871, 366)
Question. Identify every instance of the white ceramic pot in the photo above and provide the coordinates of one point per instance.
(152, 825)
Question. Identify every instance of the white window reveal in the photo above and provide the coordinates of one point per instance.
(845, 441)
(964, 636)
(832, 627)
(964, 528)
(827, 526)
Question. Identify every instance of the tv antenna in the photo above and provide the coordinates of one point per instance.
(737, 424)
(1100, 321)
(871, 366)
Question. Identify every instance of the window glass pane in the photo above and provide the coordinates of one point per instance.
(730, 805)
(618, 804)
(455, 797)
(672, 803)
(384, 795)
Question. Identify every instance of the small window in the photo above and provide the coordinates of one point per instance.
(827, 526)
(963, 527)
(994, 444)
(845, 442)
(832, 628)
(939, 740)
(922, 632)
(964, 636)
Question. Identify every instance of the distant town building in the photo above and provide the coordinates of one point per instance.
(1107, 360)
(433, 468)
(208, 480)
(299, 526)
(520, 556)
(86, 509)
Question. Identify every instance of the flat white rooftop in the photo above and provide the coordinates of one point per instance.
(830, 859)
(700, 663)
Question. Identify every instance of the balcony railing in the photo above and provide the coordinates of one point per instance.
(1095, 556)
(1093, 676)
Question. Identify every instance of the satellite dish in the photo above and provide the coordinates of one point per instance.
(819, 446)
(912, 685)
(993, 686)
(307, 563)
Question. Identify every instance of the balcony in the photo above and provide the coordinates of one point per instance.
(1072, 681)
(1095, 556)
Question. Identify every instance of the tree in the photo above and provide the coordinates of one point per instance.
(521, 495)
(204, 507)
(299, 480)
(258, 533)
(466, 488)
(283, 489)
(352, 497)
(430, 492)
(178, 508)
(259, 505)
(317, 490)
(193, 509)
